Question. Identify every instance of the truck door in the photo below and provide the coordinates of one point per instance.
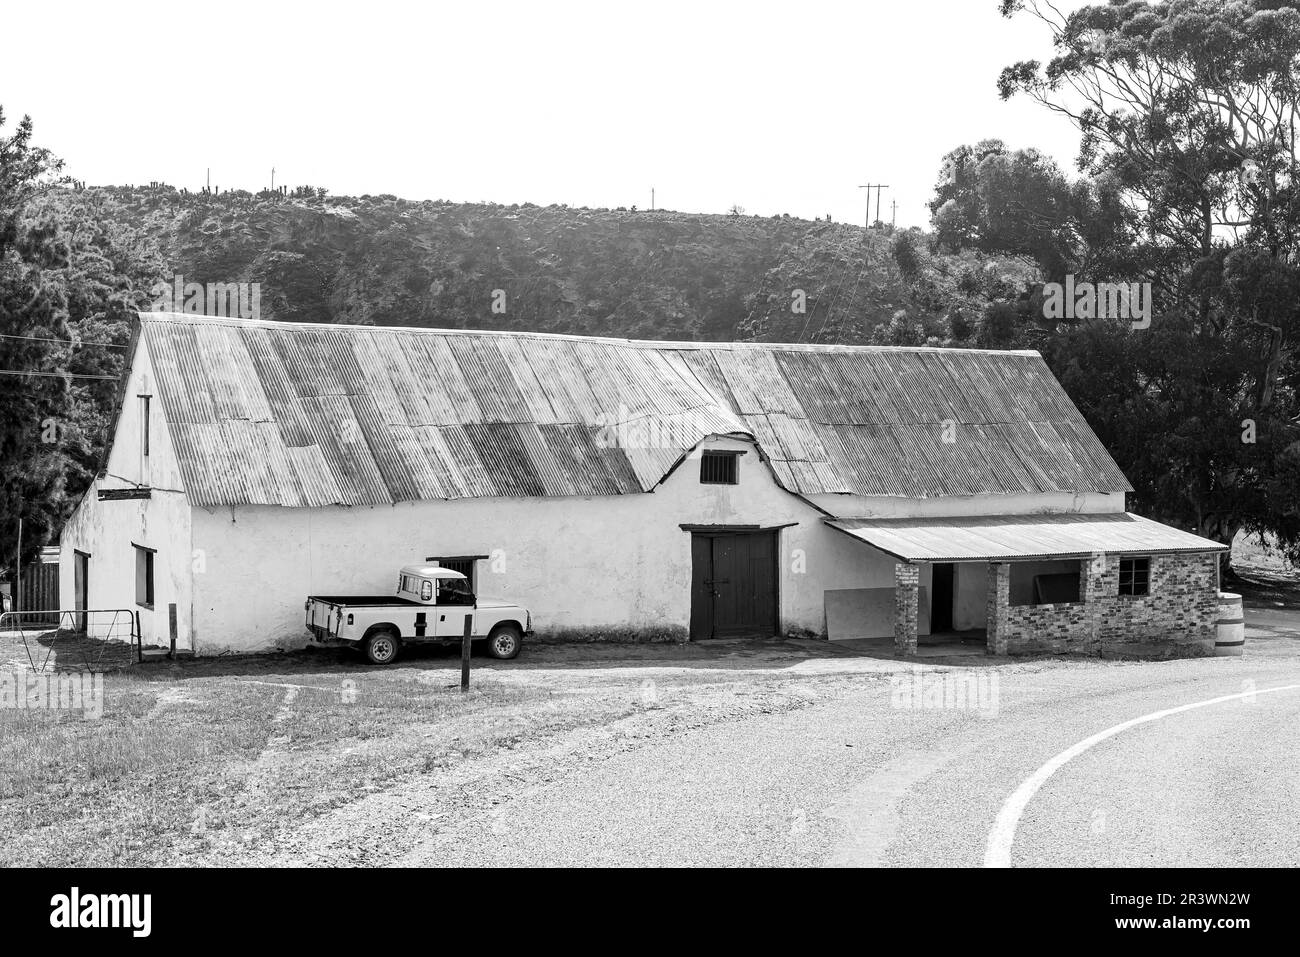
(454, 603)
(450, 619)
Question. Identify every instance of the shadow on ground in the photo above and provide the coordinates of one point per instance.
(65, 654)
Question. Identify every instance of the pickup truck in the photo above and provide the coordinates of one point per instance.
(430, 607)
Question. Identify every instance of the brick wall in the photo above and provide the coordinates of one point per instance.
(906, 607)
(999, 597)
(1177, 618)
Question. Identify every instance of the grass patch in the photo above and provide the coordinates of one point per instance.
(198, 770)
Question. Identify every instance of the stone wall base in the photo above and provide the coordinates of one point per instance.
(1177, 619)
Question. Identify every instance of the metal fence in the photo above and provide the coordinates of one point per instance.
(98, 639)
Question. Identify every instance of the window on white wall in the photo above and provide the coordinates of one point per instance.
(144, 425)
(143, 575)
(467, 565)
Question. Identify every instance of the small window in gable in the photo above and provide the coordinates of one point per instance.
(719, 468)
(144, 425)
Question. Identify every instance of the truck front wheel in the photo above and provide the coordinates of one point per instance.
(505, 641)
(381, 647)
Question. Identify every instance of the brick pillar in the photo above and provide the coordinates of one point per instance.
(906, 581)
(1095, 577)
(999, 599)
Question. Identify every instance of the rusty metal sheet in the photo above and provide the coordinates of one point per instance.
(176, 358)
(403, 414)
(519, 360)
(316, 481)
(738, 374)
(575, 454)
(552, 476)
(505, 460)
(405, 474)
(468, 466)
(336, 430)
(488, 376)
(704, 367)
(769, 384)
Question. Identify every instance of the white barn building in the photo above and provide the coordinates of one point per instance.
(620, 489)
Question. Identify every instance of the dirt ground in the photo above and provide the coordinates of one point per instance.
(317, 757)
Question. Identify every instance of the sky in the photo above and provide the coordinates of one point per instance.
(775, 107)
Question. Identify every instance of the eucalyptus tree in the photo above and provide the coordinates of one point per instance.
(70, 280)
(1187, 115)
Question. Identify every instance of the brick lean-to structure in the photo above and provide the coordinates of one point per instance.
(1177, 619)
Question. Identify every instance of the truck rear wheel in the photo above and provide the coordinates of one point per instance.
(505, 641)
(381, 647)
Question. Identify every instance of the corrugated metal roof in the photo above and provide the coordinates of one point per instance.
(303, 415)
(1009, 537)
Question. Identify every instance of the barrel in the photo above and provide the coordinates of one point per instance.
(1230, 635)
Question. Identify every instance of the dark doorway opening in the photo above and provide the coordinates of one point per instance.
(941, 601)
(734, 585)
(80, 587)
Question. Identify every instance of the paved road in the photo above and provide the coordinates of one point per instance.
(860, 778)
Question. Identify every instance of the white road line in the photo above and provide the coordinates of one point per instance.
(998, 851)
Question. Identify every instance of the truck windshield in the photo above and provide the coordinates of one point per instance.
(454, 591)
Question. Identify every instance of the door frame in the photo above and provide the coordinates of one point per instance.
(709, 532)
(949, 613)
(81, 591)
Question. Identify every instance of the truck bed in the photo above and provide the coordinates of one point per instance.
(363, 601)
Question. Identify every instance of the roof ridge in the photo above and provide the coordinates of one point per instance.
(201, 319)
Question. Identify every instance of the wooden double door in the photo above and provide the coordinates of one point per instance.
(734, 585)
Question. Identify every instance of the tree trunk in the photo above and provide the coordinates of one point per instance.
(1272, 369)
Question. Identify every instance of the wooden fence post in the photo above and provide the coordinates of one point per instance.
(464, 653)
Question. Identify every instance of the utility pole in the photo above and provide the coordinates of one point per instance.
(209, 179)
(273, 179)
(893, 213)
(18, 566)
(652, 199)
(877, 187)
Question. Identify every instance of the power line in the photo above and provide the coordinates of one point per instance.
(70, 342)
(61, 375)
(877, 187)
(839, 288)
(829, 304)
(853, 298)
